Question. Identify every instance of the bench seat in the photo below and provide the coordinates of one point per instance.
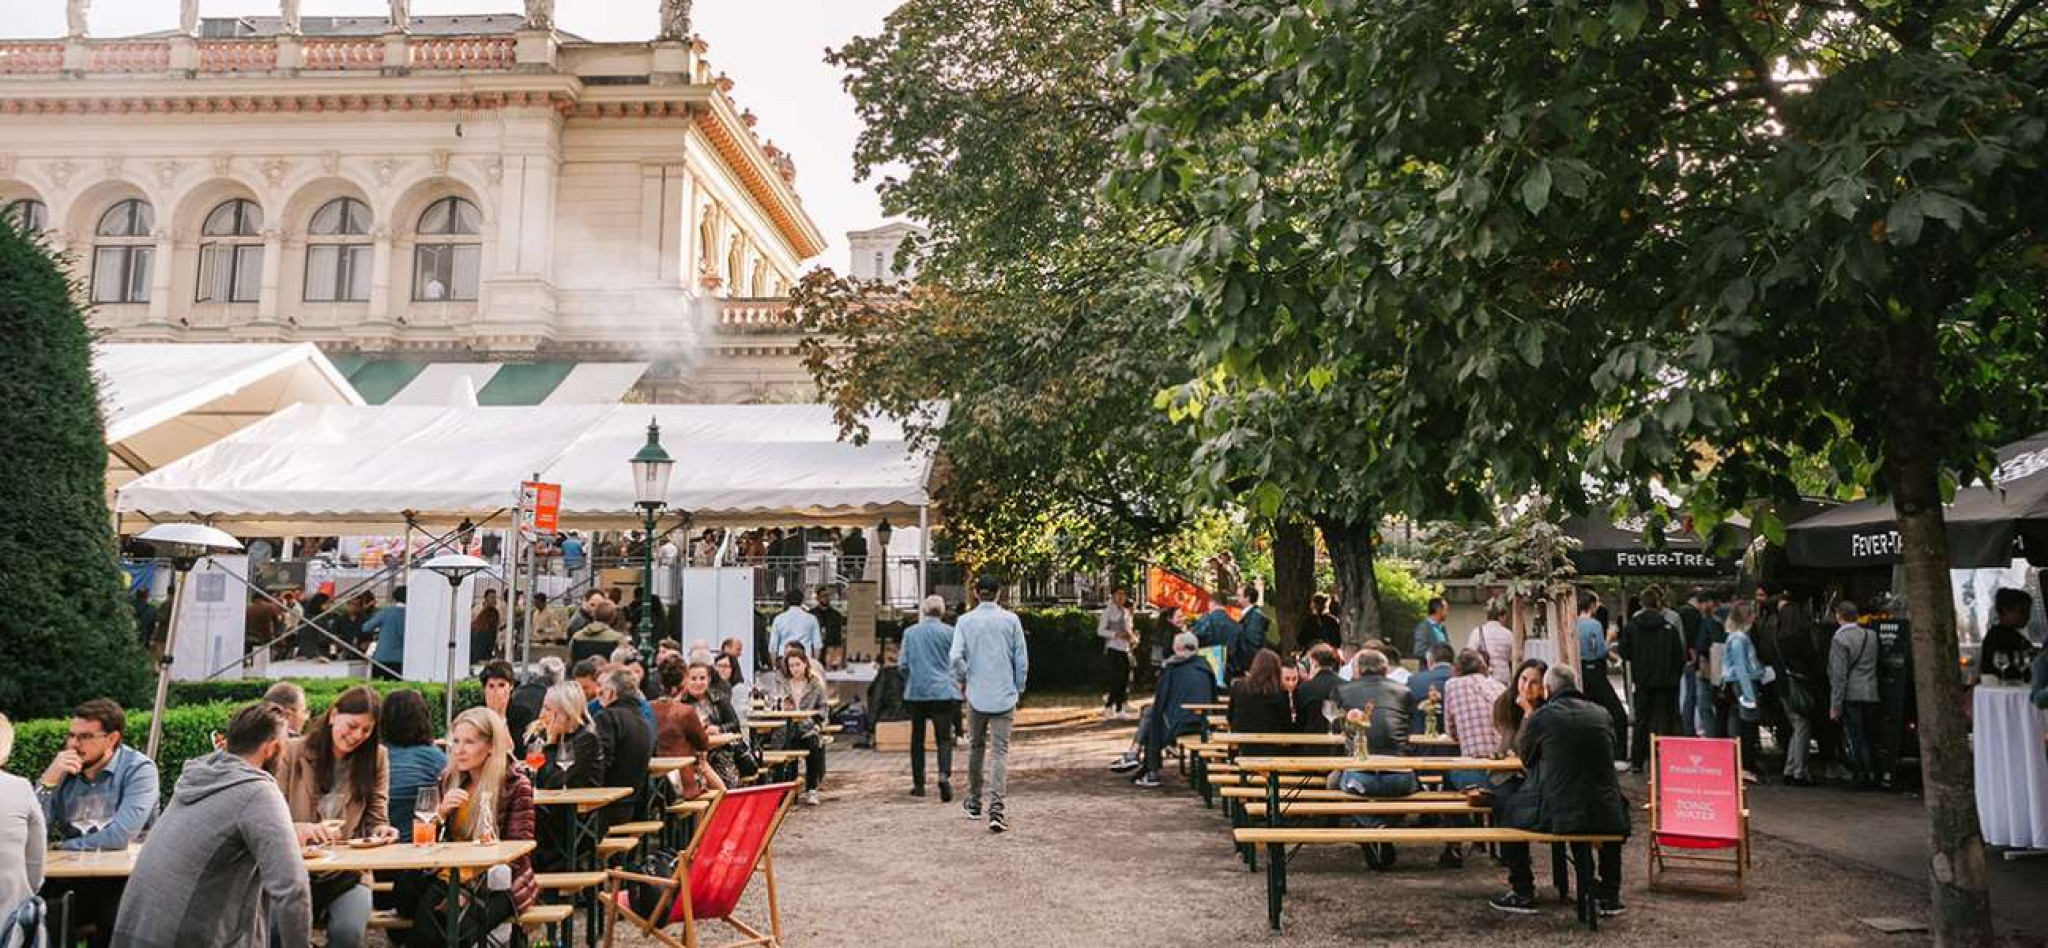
(546, 914)
(612, 846)
(569, 881)
(1257, 809)
(1336, 796)
(636, 829)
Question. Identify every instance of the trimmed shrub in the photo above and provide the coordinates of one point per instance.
(66, 632)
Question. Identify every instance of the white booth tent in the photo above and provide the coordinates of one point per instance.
(165, 401)
(355, 470)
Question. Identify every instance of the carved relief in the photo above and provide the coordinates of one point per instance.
(62, 171)
(274, 170)
(167, 170)
(223, 163)
(330, 161)
(6, 163)
(440, 158)
(494, 169)
(111, 164)
(386, 169)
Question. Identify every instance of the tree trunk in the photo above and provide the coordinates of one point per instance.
(1962, 897)
(1294, 579)
(1358, 591)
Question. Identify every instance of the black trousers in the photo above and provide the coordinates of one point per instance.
(940, 715)
(1158, 736)
(422, 897)
(1119, 679)
(1600, 691)
(94, 902)
(1522, 879)
(1656, 714)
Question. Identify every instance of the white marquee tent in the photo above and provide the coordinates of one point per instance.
(327, 469)
(165, 401)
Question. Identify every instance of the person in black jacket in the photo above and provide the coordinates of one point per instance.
(627, 742)
(1320, 687)
(1566, 748)
(574, 760)
(1185, 679)
(1258, 702)
(1656, 651)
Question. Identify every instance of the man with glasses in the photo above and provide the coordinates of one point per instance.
(97, 794)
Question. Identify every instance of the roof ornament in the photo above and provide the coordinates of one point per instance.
(74, 17)
(675, 21)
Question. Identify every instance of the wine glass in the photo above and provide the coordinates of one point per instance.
(565, 754)
(1331, 712)
(426, 809)
(2003, 662)
(536, 754)
(333, 808)
(90, 813)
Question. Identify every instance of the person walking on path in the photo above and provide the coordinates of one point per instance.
(1593, 669)
(1118, 633)
(990, 665)
(928, 690)
(795, 624)
(1655, 648)
(222, 868)
(1852, 691)
(1258, 631)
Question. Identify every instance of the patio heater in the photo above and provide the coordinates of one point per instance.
(183, 544)
(651, 469)
(453, 567)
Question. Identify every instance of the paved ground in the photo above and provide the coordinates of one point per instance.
(1093, 861)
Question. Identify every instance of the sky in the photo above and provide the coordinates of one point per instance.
(772, 49)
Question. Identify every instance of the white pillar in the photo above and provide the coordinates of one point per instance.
(380, 276)
(273, 266)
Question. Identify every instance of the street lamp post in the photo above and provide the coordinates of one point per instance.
(651, 469)
(453, 567)
(882, 533)
(183, 544)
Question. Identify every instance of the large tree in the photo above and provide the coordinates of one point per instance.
(1033, 316)
(1719, 238)
(66, 633)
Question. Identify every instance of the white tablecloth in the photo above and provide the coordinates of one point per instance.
(2012, 769)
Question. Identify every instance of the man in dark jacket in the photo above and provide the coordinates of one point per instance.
(1566, 745)
(1656, 652)
(1320, 687)
(627, 740)
(1388, 708)
(1185, 679)
(1216, 627)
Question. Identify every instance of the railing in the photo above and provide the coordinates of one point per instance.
(463, 52)
(237, 56)
(756, 314)
(130, 57)
(338, 54)
(30, 58)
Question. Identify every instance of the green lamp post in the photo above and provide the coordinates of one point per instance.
(651, 469)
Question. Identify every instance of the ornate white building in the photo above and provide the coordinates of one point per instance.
(459, 189)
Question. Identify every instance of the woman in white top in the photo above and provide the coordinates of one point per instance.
(22, 838)
(1118, 635)
(1496, 642)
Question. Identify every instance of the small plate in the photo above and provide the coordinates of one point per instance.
(367, 843)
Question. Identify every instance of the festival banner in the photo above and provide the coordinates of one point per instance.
(1164, 588)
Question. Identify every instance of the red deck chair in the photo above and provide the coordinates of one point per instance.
(730, 844)
(1707, 843)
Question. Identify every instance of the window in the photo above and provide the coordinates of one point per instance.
(28, 215)
(231, 254)
(338, 253)
(446, 261)
(122, 253)
(881, 271)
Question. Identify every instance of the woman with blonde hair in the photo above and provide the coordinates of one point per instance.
(485, 797)
(573, 758)
(22, 839)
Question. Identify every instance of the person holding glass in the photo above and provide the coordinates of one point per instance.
(680, 732)
(2006, 651)
(335, 783)
(484, 797)
(97, 794)
(700, 694)
(562, 753)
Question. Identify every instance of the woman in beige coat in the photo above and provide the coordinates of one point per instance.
(334, 782)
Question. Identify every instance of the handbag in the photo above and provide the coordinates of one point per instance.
(645, 896)
(24, 928)
(1798, 695)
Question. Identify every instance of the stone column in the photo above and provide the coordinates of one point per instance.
(273, 268)
(160, 272)
(291, 54)
(381, 259)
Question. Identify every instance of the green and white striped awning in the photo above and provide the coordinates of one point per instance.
(407, 382)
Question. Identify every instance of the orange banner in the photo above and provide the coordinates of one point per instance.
(1164, 589)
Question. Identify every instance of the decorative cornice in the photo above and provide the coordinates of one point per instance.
(762, 179)
(208, 104)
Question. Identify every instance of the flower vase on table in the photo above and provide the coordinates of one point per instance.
(1358, 732)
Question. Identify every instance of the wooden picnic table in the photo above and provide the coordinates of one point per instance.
(723, 738)
(1206, 706)
(1310, 739)
(663, 766)
(90, 864)
(1440, 740)
(1273, 767)
(584, 799)
(785, 715)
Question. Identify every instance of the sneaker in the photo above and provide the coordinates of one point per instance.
(1748, 777)
(1125, 764)
(917, 791)
(996, 824)
(810, 798)
(1609, 908)
(945, 791)
(1621, 766)
(972, 808)
(1513, 903)
(1148, 780)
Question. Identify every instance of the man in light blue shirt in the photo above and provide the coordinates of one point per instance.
(1597, 687)
(795, 625)
(929, 692)
(97, 794)
(989, 663)
(388, 626)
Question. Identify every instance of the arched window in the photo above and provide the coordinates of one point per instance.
(448, 255)
(231, 253)
(122, 252)
(338, 253)
(28, 215)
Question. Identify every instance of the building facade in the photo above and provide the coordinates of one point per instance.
(877, 253)
(442, 190)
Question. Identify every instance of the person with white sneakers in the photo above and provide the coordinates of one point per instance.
(990, 664)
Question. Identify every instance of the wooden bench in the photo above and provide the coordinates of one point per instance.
(1316, 794)
(690, 807)
(613, 846)
(635, 829)
(1276, 841)
(1257, 809)
(569, 881)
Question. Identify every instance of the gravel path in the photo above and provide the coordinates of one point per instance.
(1092, 861)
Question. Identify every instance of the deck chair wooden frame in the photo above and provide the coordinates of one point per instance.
(1703, 866)
(677, 888)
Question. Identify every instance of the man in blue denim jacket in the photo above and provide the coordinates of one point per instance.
(98, 793)
(930, 693)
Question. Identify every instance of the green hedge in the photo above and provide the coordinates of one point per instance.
(200, 708)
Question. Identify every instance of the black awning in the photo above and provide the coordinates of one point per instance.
(1987, 526)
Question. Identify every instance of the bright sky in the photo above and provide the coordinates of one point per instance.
(772, 49)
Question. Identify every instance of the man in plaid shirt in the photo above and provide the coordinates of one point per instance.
(1468, 712)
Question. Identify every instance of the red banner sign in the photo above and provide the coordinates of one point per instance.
(1699, 788)
(1164, 589)
(543, 503)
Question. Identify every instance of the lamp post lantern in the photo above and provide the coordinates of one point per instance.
(453, 567)
(183, 544)
(651, 469)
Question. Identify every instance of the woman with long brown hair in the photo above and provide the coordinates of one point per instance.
(334, 781)
(1259, 703)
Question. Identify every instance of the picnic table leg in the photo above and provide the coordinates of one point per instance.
(454, 908)
(1273, 799)
(1276, 857)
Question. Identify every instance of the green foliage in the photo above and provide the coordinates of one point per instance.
(1034, 318)
(201, 708)
(1404, 598)
(1526, 552)
(66, 633)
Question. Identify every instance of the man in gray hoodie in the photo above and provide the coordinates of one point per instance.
(196, 884)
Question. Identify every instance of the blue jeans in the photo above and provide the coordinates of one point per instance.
(1707, 716)
(1465, 779)
(1375, 784)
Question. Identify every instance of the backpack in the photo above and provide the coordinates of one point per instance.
(24, 927)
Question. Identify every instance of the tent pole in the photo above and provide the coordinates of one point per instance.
(924, 551)
(513, 608)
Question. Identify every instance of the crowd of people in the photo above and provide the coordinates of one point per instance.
(222, 863)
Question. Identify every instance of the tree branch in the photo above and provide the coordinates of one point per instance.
(1759, 68)
(2012, 16)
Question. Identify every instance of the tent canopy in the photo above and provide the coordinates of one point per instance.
(317, 469)
(1619, 549)
(1988, 527)
(164, 401)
